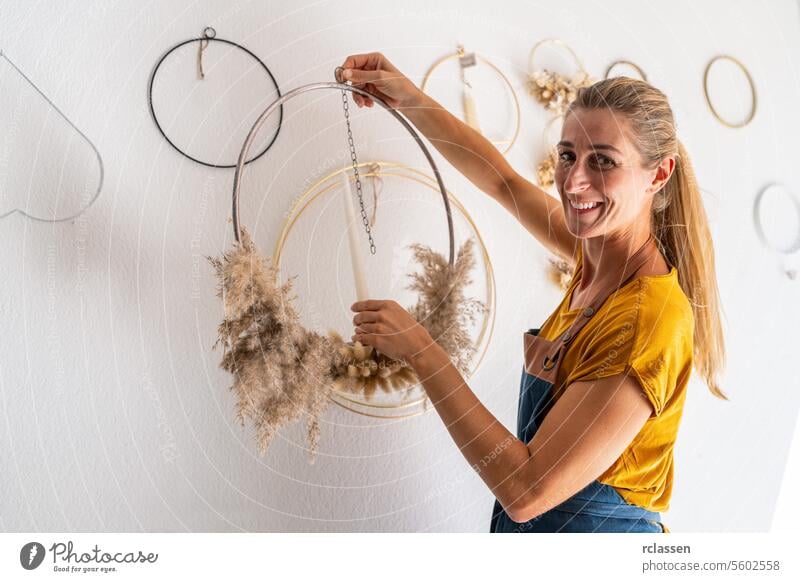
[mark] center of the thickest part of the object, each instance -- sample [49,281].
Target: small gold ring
[630,64]
[558,42]
[741,66]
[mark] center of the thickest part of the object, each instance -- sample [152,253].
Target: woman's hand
[375,74]
[390,329]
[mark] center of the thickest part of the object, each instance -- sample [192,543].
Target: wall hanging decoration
[551,89]
[366,400]
[466,63]
[59,206]
[559,271]
[283,371]
[546,168]
[210,36]
[749,117]
[784,206]
[624,63]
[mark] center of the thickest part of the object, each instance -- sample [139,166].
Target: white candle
[352,231]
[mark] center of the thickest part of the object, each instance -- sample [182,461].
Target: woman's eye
[604,162]
[565,156]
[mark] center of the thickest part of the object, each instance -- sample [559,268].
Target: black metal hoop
[211,38]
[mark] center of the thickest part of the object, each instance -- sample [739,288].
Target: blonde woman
[604,378]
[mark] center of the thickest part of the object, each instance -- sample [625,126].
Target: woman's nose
[576,181]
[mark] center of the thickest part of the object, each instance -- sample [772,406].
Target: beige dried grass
[281,371]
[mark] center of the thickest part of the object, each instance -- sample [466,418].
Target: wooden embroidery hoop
[331,182]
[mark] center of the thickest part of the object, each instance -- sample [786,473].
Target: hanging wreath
[282,371]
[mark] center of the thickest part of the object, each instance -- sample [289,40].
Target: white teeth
[584,205]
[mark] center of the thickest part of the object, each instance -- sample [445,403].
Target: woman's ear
[663,172]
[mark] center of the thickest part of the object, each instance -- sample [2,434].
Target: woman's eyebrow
[597,146]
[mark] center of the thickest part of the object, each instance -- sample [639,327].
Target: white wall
[114,413]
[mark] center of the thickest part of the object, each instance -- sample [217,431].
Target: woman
[605,377]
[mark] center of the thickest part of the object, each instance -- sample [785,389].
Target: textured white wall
[114,413]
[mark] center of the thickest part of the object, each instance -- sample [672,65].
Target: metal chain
[354,160]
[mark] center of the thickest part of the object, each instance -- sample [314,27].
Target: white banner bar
[402,556]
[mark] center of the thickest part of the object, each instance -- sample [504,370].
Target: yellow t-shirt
[645,329]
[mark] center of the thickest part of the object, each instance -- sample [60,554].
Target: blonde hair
[678,218]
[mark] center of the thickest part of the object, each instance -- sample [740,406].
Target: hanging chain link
[354,160]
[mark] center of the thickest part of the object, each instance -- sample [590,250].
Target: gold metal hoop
[639,70]
[326,184]
[557,42]
[510,142]
[716,114]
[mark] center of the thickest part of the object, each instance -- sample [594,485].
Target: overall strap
[635,262]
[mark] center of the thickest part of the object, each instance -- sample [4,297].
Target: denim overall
[597,507]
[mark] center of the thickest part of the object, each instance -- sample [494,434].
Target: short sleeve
[648,336]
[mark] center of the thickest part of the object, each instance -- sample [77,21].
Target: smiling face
[600,177]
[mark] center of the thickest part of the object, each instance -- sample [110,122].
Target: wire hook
[208,33]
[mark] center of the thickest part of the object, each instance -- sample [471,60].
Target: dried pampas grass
[546,170]
[560,272]
[282,371]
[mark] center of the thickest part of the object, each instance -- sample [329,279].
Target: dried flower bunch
[546,170]
[282,371]
[556,91]
[560,273]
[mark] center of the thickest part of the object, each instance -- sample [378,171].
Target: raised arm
[466,149]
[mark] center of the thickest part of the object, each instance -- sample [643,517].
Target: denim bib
[598,507]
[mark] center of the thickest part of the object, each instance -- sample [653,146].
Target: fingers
[359,61]
[361,76]
[366,317]
[362,79]
[371,61]
[368,328]
[368,71]
[368,305]
[362,101]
